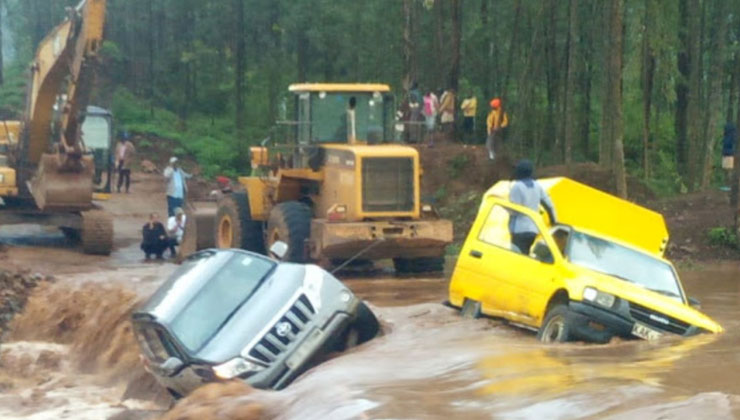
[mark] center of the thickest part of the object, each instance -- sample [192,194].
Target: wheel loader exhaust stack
[330,184]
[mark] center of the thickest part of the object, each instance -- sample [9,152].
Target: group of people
[156,238]
[439,108]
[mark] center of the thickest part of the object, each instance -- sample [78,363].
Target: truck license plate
[645,332]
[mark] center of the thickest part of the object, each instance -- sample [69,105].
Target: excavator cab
[97,135]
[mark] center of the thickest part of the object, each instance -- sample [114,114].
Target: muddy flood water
[72,355]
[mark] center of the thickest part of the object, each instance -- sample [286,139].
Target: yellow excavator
[331,185]
[46,171]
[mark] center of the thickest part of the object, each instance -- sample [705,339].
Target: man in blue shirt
[526,192]
[177,186]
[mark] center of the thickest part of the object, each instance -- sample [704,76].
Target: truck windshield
[624,263]
[219,299]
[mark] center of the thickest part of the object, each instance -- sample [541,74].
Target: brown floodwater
[429,364]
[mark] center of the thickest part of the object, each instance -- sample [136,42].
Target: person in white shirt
[176,230]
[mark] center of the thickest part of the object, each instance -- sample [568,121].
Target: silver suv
[228,314]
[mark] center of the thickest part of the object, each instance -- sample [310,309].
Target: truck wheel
[470,309]
[97,232]
[234,225]
[363,329]
[419,265]
[557,325]
[290,222]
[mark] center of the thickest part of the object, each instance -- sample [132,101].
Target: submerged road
[428,364]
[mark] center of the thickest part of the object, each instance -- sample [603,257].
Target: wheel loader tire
[235,227]
[419,265]
[290,222]
[97,232]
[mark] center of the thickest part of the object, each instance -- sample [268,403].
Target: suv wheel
[557,325]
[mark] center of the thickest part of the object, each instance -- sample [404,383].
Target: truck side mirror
[279,250]
[694,303]
[541,252]
[171,366]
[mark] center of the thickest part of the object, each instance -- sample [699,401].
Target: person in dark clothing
[154,238]
[526,192]
[728,152]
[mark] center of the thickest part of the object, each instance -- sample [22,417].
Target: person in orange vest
[496,121]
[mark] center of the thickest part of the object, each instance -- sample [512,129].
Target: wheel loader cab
[328,184]
[343,114]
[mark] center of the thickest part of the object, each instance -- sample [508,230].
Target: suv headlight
[236,367]
[600,298]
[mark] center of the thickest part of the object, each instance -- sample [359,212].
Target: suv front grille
[643,314]
[387,184]
[284,332]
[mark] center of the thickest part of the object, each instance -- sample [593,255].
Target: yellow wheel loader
[328,185]
[46,171]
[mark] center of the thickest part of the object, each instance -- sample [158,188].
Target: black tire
[419,265]
[235,227]
[364,328]
[557,327]
[470,309]
[97,232]
[290,222]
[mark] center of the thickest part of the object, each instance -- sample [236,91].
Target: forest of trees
[644,87]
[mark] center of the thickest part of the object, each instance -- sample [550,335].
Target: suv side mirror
[279,250]
[541,252]
[171,366]
[694,303]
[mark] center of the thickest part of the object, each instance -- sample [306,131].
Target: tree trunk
[239,70]
[2,62]
[714,99]
[735,187]
[606,135]
[454,76]
[694,120]
[648,75]
[569,110]
[614,64]
[682,92]
[512,46]
[409,46]
[439,55]
[151,57]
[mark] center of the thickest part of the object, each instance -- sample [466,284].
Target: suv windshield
[231,285]
[627,264]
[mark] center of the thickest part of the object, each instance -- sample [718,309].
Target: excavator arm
[63,178]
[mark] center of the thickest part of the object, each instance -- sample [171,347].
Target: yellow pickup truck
[598,273]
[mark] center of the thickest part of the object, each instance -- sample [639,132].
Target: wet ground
[72,355]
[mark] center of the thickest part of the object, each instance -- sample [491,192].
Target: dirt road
[72,354]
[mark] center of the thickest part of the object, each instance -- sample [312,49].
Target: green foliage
[723,237]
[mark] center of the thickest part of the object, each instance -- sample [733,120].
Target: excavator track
[97,232]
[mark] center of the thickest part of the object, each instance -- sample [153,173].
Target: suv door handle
[476,254]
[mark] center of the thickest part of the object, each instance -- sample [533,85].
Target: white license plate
[305,350]
[645,332]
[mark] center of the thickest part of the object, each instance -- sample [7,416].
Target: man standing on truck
[527,192]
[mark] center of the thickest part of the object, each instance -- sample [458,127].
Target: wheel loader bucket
[200,228]
[56,187]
